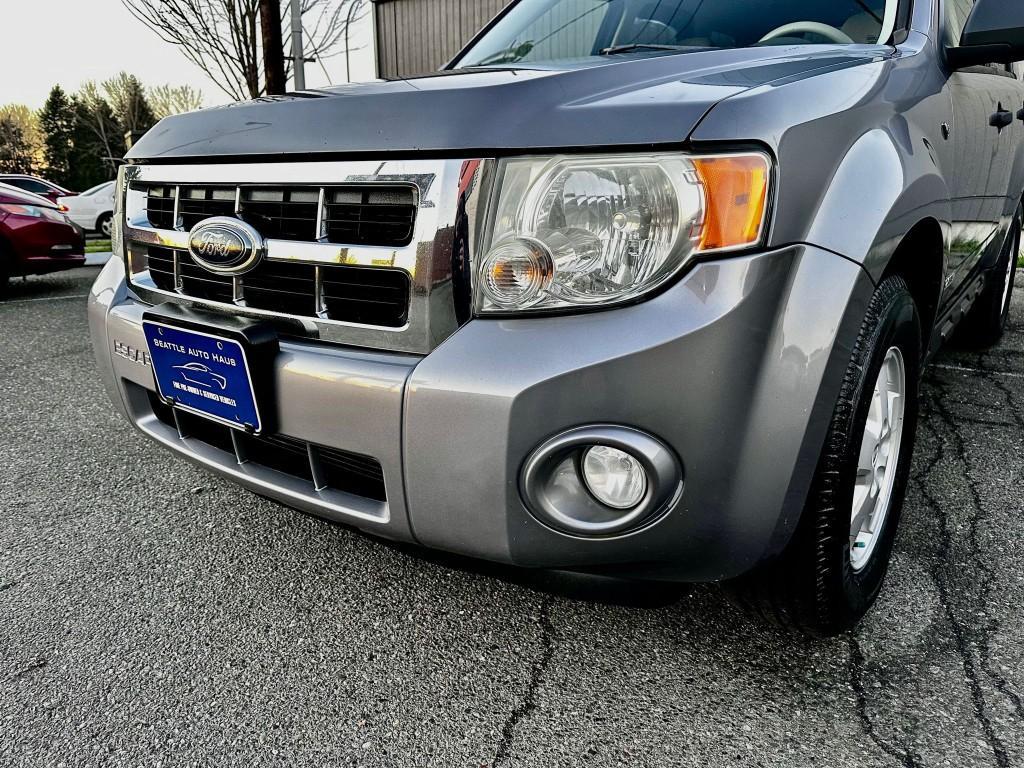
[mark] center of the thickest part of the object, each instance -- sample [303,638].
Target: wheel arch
[920,260]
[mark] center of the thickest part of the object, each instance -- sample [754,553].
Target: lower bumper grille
[326,468]
[365,295]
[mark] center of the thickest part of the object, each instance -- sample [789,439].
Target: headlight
[601,230]
[32,211]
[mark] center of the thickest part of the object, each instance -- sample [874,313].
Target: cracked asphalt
[151,614]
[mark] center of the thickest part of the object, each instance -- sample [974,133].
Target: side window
[31,185]
[956,14]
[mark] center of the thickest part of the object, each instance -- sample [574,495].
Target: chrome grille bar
[321,305]
[321,216]
[285,250]
[178,283]
[176,217]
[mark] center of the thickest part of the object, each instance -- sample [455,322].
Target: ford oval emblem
[226,246]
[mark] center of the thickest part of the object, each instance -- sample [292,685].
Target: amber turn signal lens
[516,271]
[736,191]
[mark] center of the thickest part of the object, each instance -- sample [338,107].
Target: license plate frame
[226,358]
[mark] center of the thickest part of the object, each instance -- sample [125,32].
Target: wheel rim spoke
[1011,270]
[877,459]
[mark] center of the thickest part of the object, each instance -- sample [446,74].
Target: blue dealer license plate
[203,373]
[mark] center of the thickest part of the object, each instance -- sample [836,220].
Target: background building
[418,36]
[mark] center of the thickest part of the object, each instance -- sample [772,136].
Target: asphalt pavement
[152,614]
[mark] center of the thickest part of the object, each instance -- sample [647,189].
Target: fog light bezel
[556,495]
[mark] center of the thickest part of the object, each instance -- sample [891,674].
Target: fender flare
[878,194]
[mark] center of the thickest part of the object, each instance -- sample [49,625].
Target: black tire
[985,324]
[5,270]
[812,587]
[105,219]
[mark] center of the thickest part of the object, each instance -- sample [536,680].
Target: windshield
[548,31]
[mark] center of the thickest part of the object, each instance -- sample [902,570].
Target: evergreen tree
[58,125]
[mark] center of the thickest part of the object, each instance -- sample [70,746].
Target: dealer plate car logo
[226,246]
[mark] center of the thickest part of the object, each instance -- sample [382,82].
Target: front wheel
[5,271]
[103,225]
[831,572]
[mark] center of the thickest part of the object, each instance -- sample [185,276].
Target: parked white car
[92,210]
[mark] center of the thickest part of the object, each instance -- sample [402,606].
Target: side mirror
[993,34]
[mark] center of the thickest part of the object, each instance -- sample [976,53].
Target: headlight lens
[32,211]
[599,230]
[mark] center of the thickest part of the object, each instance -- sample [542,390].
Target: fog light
[615,478]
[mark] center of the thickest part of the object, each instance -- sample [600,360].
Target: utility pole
[298,54]
[273,47]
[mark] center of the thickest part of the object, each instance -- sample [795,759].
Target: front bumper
[42,246]
[736,368]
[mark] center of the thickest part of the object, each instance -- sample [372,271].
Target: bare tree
[224,37]
[169,100]
[30,130]
[16,154]
[127,99]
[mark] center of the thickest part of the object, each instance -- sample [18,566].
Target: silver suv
[634,287]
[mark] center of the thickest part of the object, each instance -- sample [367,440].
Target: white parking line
[44,298]
[966,369]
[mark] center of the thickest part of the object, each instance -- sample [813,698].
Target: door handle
[1001,119]
[1020,115]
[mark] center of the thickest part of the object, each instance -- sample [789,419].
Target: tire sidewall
[5,268]
[898,326]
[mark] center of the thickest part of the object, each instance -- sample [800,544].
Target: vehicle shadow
[74,282]
[571,585]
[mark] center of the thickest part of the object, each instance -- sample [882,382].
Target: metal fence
[419,36]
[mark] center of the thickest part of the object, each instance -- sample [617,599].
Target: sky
[45,42]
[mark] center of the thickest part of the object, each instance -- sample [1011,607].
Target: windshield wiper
[644,47]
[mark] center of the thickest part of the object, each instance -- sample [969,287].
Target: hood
[619,102]
[18,196]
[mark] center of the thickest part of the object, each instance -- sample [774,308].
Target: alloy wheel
[877,460]
[1011,269]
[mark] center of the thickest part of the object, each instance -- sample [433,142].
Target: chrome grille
[366,253]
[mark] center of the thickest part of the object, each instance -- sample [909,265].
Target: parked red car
[35,237]
[35,185]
